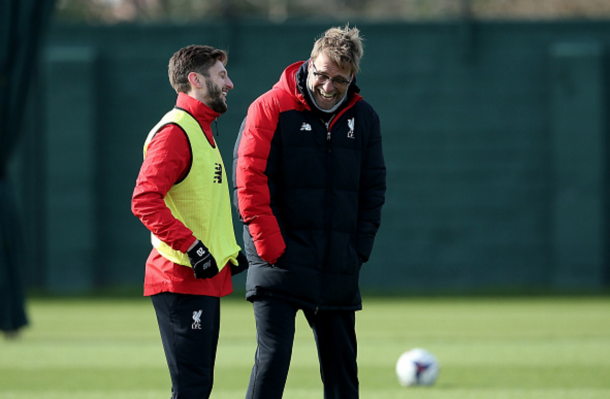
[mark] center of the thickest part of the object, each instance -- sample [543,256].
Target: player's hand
[242,264]
[203,263]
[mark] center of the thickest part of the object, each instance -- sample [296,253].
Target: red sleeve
[253,184]
[167,161]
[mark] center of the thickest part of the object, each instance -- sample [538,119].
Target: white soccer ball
[417,367]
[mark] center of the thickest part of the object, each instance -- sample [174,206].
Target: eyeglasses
[321,78]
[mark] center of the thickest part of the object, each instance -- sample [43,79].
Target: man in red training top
[182,197]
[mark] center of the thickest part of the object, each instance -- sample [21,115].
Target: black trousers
[335,335]
[189,326]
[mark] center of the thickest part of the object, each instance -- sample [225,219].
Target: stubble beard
[217,102]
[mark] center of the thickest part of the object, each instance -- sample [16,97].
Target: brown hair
[342,45]
[193,58]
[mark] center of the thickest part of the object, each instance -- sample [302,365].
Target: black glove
[204,264]
[242,264]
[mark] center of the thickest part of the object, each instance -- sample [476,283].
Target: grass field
[489,348]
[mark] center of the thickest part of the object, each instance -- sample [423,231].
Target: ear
[196,80]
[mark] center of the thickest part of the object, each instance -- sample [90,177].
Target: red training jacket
[167,161]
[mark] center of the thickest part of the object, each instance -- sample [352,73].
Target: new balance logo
[306,126]
[218,173]
[197,320]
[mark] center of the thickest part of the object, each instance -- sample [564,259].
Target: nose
[229,83]
[328,86]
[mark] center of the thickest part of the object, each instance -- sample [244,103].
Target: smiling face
[327,81]
[212,90]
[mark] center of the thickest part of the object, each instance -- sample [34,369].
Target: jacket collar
[201,112]
[204,114]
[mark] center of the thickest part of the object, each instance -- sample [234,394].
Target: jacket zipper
[329,185]
[328,135]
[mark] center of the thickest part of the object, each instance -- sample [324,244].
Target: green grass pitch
[488,348]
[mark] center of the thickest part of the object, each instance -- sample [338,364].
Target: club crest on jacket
[351,123]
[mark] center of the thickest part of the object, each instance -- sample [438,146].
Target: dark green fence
[494,134]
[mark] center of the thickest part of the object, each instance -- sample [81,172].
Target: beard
[217,102]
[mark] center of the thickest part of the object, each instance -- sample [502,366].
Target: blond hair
[342,45]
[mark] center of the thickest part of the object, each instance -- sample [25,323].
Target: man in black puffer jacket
[310,183]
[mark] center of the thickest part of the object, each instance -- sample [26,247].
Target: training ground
[488,348]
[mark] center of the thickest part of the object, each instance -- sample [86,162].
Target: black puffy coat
[310,196]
